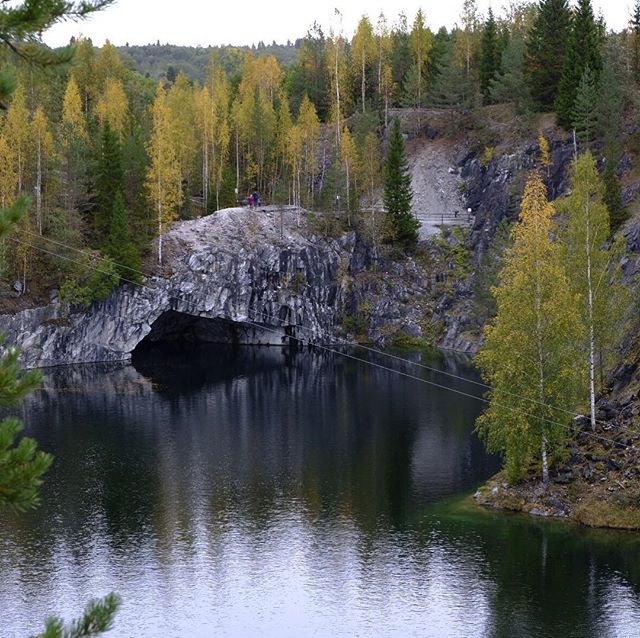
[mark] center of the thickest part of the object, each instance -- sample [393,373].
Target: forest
[112,156]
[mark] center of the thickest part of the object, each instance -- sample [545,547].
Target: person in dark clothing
[256,198]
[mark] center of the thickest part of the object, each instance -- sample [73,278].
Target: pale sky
[214,22]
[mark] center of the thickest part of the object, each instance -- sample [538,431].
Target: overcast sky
[213,22]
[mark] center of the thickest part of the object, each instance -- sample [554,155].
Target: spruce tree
[397,190]
[120,247]
[109,181]
[489,56]
[451,89]
[612,195]
[584,50]
[585,114]
[546,48]
[510,84]
[530,357]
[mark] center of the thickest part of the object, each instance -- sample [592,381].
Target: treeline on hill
[113,156]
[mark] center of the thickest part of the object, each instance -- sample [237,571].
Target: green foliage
[510,84]
[546,50]
[120,247]
[584,51]
[93,280]
[109,182]
[612,196]
[489,56]
[585,116]
[397,190]
[530,357]
[451,89]
[487,273]
[603,300]
[97,618]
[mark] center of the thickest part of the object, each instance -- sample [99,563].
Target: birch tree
[531,353]
[44,151]
[364,50]
[421,41]
[602,298]
[164,178]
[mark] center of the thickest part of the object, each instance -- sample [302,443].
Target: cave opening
[178,329]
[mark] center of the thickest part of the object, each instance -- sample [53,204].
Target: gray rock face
[233,267]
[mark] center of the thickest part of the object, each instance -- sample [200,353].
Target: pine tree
[546,49]
[489,56]
[601,299]
[585,115]
[530,356]
[583,50]
[397,190]
[21,26]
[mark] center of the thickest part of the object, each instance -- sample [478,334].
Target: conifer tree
[583,50]
[489,56]
[530,357]
[612,195]
[109,182]
[22,24]
[451,88]
[635,40]
[585,115]
[397,190]
[119,245]
[546,49]
[602,300]
[510,84]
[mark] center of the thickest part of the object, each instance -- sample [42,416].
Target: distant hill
[158,60]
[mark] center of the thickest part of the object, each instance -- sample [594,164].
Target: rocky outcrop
[238,276]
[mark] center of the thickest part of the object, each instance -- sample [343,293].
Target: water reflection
[268,492]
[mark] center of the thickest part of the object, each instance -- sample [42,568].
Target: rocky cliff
[238,276]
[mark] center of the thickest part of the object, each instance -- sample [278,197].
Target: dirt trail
[437,197]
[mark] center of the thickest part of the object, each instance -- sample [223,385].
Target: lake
[273,492]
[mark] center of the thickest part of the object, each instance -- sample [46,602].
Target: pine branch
[97,618]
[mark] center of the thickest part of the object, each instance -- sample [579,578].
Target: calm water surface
[261,492]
